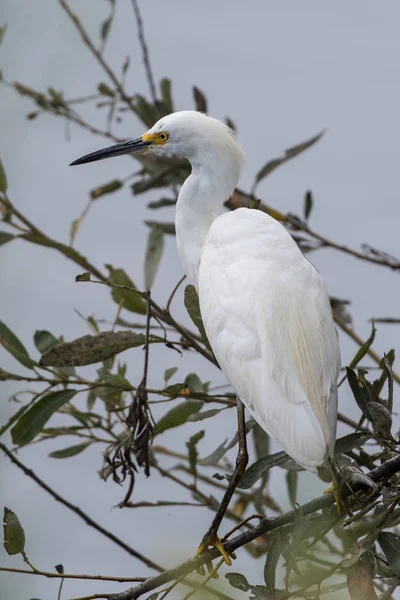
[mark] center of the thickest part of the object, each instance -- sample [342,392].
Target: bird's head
[187,134]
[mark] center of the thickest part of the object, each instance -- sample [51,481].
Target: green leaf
[6,237]
[130,300]
[3,178]
[44,340]
[238,581]
[194,383]
[291,481]
[162,203]
[297,538]
[200,100]
[351,441]
[289,154]
[16,416]
[214,457]
[378,384]
[168,228]
[146,111]
[12,344]
[82,277]
[32,422]
[205,414]
[90,349]
[155,247]
[165,88]
[308,204]
[105,28]
[218,453]
[70,451]
[104,89]
[192,450]
[106,188]
[192,305]
[169,373]
[2,33]
[178,415]
[360,392]
[390,544]
[14,535]
[271,562]
[254,472]
[362,351]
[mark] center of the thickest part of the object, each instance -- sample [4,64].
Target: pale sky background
[282,71]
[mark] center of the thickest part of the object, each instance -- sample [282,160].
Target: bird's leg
[335,487]
[211,538]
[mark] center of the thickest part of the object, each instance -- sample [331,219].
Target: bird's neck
[200,202]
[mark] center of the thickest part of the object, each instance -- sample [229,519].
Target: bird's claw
[214,542]
[335,490]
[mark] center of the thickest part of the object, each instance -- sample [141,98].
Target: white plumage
[265,308]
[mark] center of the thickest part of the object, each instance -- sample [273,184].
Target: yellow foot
[213,542]
[335,490]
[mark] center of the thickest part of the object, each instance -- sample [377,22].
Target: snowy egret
[265,308]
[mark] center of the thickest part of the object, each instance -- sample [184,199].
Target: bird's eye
[163,136]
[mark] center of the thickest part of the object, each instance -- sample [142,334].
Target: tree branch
[266,525]
[78,511]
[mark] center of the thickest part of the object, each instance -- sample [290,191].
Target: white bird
[265,308]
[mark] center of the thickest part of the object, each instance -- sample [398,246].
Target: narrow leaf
[90,349]
[2,33]
[14,535]
[254,472]
[205,414]
[362,351]
[169,373]
[214,457]
[6,237]
[200,100]
[70,451]
[13,345]
[289,154]
[178,415]
[155,247]
[3,178]
[192,305]
[271,562]
[32,422]
[130,300]
[192,450]
[165,88]
[308,204]
[360,393]
[351,441]
[291,481]
[168,228]
[390,544]
[106,188]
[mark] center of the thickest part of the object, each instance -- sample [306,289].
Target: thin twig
[145,52]
[182,279]
[51,575]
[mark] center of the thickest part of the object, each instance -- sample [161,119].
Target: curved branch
[382,472]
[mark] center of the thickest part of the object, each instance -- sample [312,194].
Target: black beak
[128,147]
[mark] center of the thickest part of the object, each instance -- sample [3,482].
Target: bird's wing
[268,319]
